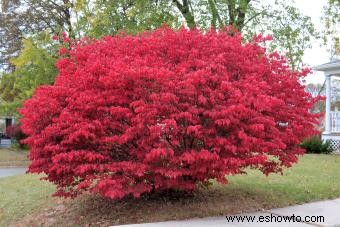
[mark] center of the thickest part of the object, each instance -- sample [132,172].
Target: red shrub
[165,110]
[15,132]
[12,130]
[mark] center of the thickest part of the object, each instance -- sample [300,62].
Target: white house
[332,113]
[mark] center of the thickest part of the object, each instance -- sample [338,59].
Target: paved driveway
[5,172]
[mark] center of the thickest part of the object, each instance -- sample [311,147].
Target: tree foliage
[38,20]
[34,67]
[291,30]
[168,109]
[20,19]
[331,20]
[98,18]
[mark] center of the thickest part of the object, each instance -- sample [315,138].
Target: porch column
[328,104]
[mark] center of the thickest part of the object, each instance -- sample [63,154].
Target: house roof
[332,66]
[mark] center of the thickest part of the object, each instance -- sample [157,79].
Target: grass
[20,195]
[13,157]
[315,177]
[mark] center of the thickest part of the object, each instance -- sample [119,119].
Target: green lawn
[13,157]
[20,195]
[315,177]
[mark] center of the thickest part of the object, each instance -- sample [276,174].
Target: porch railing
[335,122]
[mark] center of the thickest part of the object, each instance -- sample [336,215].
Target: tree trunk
[237,14]
[187,14]
[215,15]
[67,13]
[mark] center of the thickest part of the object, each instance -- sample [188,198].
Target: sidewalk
[329,210]
[10,171]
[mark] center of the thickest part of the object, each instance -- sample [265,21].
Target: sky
[318,54]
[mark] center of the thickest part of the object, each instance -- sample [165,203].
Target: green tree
[100,17]
[291,30]
[21,19]
[27,53]
[37,20]
[331,33]
[34,67]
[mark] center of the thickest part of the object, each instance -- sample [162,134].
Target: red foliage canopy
[165,110]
